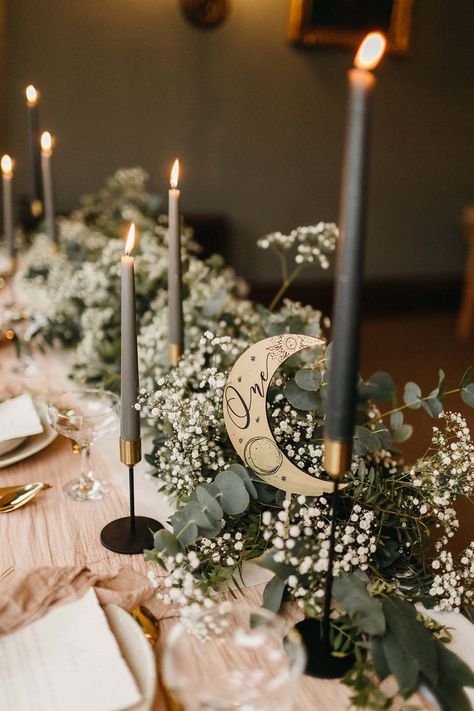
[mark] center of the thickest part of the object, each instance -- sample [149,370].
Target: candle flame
[130,239]
[370,51]
[174,174]
[7,166]
[46,142]
[32,95]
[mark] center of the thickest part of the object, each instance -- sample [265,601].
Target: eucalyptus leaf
[412,635]
[166,543]
[244,475]
[396,420]
[184,529]
[368,439]
[273,594]
[358,448]
[378,657]
[467,394]
[233,496]
[380,386]
[384,435]
[467,377]
[454,674]
[211,507]
[432,405]
[265,493]
[402,665]
[441,385]
[198,513]
[403,433]
[301,399]
[412,395]
[351,593]
[308,379]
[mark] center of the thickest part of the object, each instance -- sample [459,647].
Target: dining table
[55,531]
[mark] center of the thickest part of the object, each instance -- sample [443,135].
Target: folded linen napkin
[18,418]
[26,598]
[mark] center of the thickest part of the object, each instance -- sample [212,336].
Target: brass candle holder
[132,534]
[175,351]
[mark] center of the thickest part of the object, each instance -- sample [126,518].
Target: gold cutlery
[151,629]
[148,622]
[13,497]
[5,573]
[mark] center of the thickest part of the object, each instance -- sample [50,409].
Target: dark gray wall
[257,124]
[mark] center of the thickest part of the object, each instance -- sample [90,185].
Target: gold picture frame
[339,26]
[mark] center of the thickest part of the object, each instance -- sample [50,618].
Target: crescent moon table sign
[245,414]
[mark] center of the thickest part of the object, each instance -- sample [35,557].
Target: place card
[18,418]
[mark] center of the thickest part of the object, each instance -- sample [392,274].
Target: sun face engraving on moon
[263,456]
[245,414]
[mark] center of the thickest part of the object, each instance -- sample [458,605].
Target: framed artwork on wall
[344,23]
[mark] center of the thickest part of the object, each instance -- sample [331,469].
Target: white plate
[137,652]
[9,445]
[31,446]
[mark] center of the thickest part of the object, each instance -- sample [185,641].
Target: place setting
[236,454]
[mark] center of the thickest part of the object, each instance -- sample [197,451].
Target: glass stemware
[84,416]
[229,657]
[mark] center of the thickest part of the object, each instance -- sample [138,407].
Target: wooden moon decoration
[245,414]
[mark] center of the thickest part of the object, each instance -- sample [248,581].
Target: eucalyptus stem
[410,404]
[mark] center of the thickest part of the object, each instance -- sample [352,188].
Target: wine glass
[84,416]
[230,657]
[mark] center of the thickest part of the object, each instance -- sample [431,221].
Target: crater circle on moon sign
[263,455]
[245,414]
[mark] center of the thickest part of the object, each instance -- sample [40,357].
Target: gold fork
[5,573]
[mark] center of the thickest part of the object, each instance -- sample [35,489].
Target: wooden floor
[414,347]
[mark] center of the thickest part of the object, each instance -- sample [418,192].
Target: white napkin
[68,659]
[18,418]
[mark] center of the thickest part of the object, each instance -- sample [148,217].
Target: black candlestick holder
[130,535]
[316,634]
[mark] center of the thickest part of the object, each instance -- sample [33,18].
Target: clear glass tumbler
[230,658]
[84,416]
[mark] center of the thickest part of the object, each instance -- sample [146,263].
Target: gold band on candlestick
[36,208]
[175,351]
[130,451]
[10,267]
[337,458]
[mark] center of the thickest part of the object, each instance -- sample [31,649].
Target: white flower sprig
[313,246]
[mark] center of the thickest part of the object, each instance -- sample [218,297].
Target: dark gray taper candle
[342,393]
[130,417]
[7,180]
[175,304]
[32,96]
[48,185]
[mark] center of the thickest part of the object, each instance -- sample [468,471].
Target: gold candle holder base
[337,457]
[130,451]
[175,351]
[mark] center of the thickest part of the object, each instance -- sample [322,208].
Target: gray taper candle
[32,97]
[130,417]
[8,229]
[175,304]
[342,389]
[48,185]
